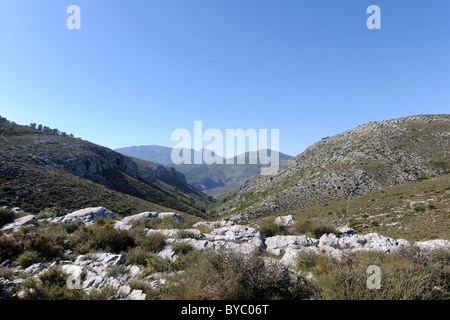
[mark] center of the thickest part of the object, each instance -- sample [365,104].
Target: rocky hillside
[89,254]
[370,157]
[27,151]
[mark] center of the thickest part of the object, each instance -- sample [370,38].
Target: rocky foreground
[103,269]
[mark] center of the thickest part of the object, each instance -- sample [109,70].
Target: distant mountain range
[216,179]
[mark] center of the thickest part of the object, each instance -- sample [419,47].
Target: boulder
[87,216]
[234,233]
[433,244]
[19,223]
[127,222]
[380,243]
[347,240]
[285,221]
[18,211]
[278,244]
[173,215]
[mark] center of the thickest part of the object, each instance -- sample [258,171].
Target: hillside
[27,153]
[415,211]
[370,157]
[217,180]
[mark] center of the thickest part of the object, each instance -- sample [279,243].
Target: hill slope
[29,151]
[370,157]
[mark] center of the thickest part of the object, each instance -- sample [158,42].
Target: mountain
[217,179]
[33,162]
[369,157]
[154,153]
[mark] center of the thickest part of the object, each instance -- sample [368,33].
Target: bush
[184,234]
[268,228]
[110,239]
[52,285]
[182,248]
[6,216]
[48,241]
[405,275]
[302,226]
[137,256]
[54,212]
[158,264]
[227,275]
[321,230]
[28,258]
[153,242]
[9,248]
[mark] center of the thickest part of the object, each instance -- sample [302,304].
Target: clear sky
[139,69]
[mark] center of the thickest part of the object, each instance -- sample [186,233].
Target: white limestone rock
[127,222]
[234,233]
[173,215]
[19,223]
[285,221]
[87,216]
[433,244]
[278,244]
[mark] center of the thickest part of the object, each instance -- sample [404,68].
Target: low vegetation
[409,274]
[400,212]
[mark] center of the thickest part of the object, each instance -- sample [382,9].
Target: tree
[33,125]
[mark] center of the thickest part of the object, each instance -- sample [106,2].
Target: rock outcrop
[369,157]
[87,216]
[19,223]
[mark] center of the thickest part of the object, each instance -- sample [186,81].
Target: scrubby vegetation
[268,228]
[399,212]
[52,285]
[224,275]
[6,216]
[409,274]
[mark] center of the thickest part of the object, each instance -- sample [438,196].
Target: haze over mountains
[215,179]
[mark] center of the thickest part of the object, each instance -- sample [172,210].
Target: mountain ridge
[369,157]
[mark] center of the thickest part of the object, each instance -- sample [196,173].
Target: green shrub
[28,258]
[137,256]
[227,275]
[184,234]
[53,212]
[9,248]
[306,260]
[6,216]
[302,226]
[158,264]
[268,228]
[48,241]
[182,248]
[409,274]
[154,242]
[108,238]
[321,230]
[52,285]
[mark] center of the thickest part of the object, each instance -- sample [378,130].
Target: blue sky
[137,70]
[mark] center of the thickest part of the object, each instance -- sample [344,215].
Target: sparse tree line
[38,127]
